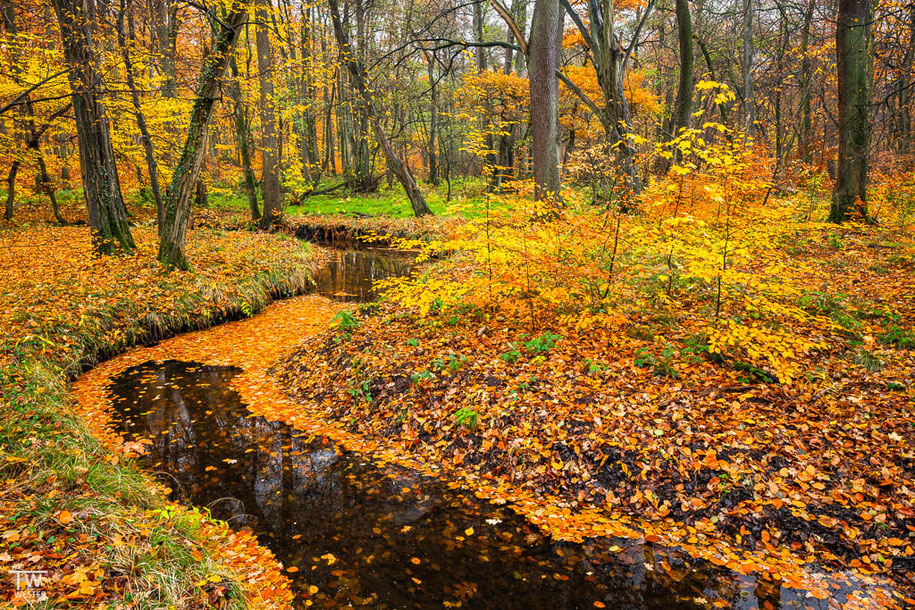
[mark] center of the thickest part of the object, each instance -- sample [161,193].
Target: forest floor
[777,440]
[71,506]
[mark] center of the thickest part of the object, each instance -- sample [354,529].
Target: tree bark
[543,62]
[241,138]
[270,180]
[609,64]
[748,96]
[11,189]
[101,187]
[357,72]
[148,151]
[806,76]
[685,88]
[433,121]
[854,59]
[480,52]
[183,187]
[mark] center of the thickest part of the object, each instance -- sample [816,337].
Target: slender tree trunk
[141,118]
[330,154]
[101,187]
[748,95]
[165,34]
[806,76]
[241,138]
[685,87]
[854,59]
[270,183]
[183,187]
[357,72]
[433,121]
[480,52]
[11,189]
[47,187]
[44,183]
[543,63]
[903,86]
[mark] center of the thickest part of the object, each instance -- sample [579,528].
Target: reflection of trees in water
[351,273]
[306,501]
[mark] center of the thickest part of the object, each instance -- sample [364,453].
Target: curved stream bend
[382,537]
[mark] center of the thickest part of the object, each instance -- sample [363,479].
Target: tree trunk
[141,118]
[357,72]
[854,59]
[806,76]
[480,52]
[241,138]
[748,96]
[543,62]
[270,182]
[903,86]
[165,33]
[685,88]
[101,188]
[11,189]
[433,122]
[608,63]
[180,194]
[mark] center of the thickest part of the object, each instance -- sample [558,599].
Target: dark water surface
[349,275]
[386,537]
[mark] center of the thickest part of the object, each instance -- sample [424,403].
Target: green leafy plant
[696,348]
[543,343]
[455,362]
[593,366]
[756,372]
[345,321]
[660,365]
[467,417]
[512,355]
[420,377]
[898,337]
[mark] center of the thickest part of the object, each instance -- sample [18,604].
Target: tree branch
[576,19]
[26,93]
[511,23]
[581,95]
[635,34]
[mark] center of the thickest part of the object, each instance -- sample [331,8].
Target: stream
[384,536]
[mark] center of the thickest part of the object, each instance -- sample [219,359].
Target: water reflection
[386,537]
[349,275]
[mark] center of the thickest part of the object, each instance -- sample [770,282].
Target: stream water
[350,275]
[386,537]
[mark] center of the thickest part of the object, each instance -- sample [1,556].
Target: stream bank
[204,408]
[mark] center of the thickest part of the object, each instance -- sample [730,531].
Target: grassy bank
[104,533]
